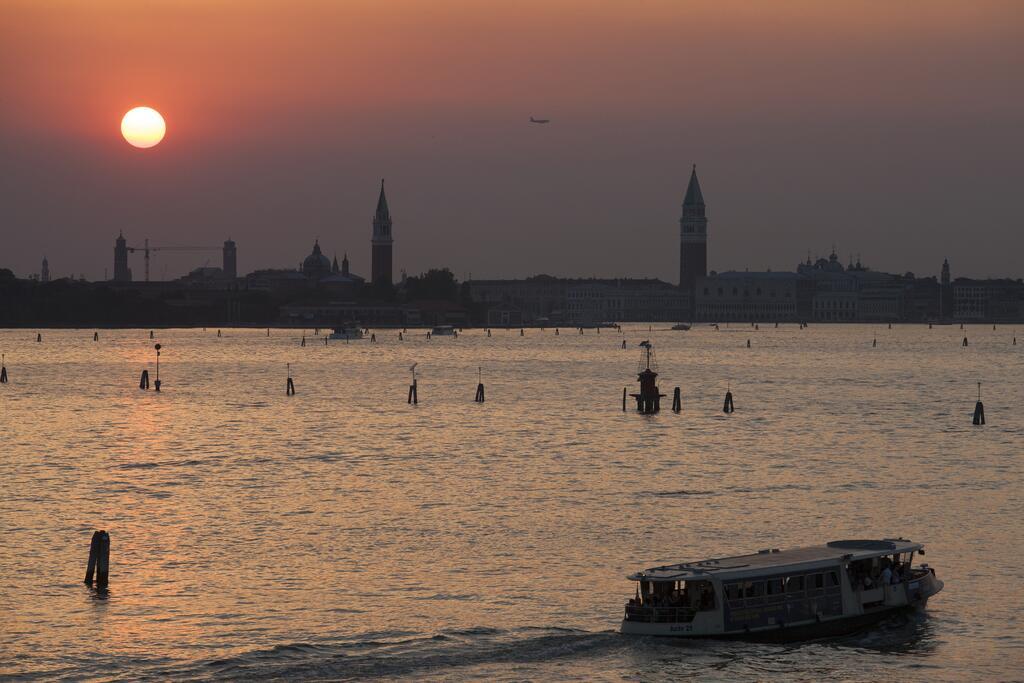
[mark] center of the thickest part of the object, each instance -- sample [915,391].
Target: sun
[143,127]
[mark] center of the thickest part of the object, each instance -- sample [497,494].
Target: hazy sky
[894,129]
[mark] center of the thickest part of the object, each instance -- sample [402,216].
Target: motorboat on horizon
[347,332]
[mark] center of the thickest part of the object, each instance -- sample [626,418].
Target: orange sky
[289,112]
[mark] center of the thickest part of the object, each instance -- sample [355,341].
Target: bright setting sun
[143,127]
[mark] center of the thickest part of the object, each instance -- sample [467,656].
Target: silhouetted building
[693,235]
[44,272]
[946,293]
[381,244]
[122,273]
[341,282]
[316,266]
[230,260]
[544,300]
[747,297]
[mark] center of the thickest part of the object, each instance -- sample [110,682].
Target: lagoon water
[342,533]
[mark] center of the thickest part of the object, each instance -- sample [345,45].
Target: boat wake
[399,654]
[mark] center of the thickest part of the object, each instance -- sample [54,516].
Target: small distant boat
[442,331]
[798,594]
[348,332]
[682,327]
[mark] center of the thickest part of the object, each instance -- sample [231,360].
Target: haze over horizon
[891,132]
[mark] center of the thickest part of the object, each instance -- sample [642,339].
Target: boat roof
[775,561]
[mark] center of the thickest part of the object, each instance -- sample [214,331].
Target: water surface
[342,533]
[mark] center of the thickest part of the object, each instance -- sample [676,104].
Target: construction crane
[145,249]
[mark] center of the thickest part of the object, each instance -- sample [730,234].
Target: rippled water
[344,533]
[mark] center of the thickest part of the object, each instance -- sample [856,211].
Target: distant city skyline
[894,135]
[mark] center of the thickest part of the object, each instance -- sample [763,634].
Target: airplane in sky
[533,120]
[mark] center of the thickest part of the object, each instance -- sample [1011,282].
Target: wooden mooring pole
[99,560]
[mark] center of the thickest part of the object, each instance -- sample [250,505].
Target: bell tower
[381,244]
[693,236]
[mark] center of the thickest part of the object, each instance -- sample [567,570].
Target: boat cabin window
[692,595]
[817,581]
[773,587]
[833,579]
[753,589]
[795,584]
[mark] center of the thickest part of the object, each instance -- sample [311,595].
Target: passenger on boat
[886,573]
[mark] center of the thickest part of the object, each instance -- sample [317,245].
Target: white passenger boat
[347,332]
[797,594]
[681,327]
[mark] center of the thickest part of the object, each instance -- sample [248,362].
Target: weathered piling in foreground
[268,331]
[729,407]
[39,337]
[95,336]
[373,337]
[480,385]
[3,368]
[874,342]
[522,332]
[400,337]
[289,389]
[748,343]
[303,342]
[623,399]
[151,334]
[413,397]
[965,341]
[99,560]
[623,343]
[556,331]
[156,383]
[979,409]
[144,380]
[677,401]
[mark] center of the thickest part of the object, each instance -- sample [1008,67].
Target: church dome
[316,264]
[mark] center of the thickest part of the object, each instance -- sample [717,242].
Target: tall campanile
[693,236]
[380,268]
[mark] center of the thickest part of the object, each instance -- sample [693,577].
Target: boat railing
[660,615]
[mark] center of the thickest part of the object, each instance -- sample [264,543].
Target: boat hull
[830,628]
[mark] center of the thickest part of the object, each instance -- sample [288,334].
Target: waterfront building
[992,300]
[381,244]
[748,297]
[589,301]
